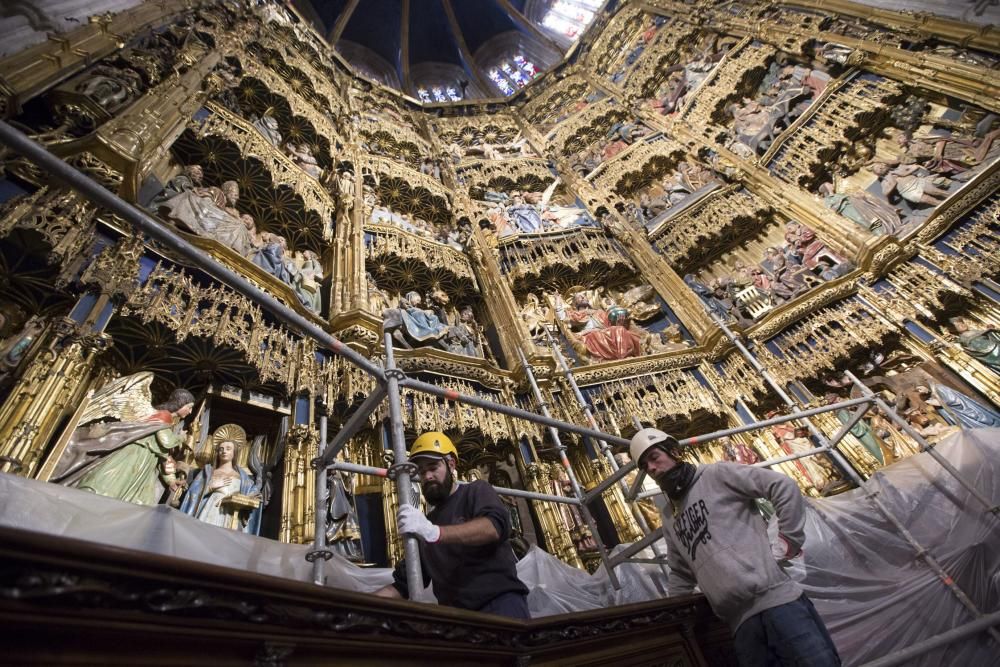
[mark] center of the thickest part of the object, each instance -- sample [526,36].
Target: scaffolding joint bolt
[396,468]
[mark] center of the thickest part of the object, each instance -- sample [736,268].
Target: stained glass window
[424,95]
[526,66]
[570,17]
[515,74]
[500,82]
[438,94]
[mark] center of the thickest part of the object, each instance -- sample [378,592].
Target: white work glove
[411,520]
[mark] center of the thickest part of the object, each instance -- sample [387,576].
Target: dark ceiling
[434,35]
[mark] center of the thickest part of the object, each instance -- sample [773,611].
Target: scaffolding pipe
[872,496]
[636,547]
[319,552]
[969,629]
[401,467]
[574,483]
[842,462]
[503,491]
[510,411]
[924,445]
[353,424]
[358,469]
[588,411]
[753,426]
[143,222]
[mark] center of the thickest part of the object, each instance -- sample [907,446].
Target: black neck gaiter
[675,482]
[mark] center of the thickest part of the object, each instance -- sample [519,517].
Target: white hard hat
[650,437]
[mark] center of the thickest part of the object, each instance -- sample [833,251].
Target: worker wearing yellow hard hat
[464,539]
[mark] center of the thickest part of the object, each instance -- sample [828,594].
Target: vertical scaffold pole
[824,442]
[924,445]
[871,495]
[401,467]
[543,407]
[319,552]
[605,448]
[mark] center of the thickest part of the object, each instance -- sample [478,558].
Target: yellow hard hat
[433,443]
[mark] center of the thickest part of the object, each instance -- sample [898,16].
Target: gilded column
[55,380]
[537,476]
[298,499]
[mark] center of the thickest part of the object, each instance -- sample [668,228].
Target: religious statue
[342,531]
[224,493]
[14,347]
[735,451]
[464,337]
[129,459]
[190,178]
[536,315]
[525,216]
[210,212]
[911,182]
[924,401]
[981,344]
[817,469]
[412,325]
[110,87]
[303,157]
[862,432]
[267,125]
[270,256]
[599,333]
[868,211]
[306,273]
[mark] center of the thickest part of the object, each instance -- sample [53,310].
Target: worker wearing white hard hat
[718,541]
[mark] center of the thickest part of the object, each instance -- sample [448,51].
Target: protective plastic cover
[875,594]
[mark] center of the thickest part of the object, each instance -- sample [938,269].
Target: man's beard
[435,492]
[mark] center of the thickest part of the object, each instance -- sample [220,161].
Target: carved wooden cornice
[167,600]
[388,240]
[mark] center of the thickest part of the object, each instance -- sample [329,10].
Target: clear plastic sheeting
[558,588]
[67,512]
[874,592]
[867,581]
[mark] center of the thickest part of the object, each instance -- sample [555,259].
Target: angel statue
[129,459]
[224,493]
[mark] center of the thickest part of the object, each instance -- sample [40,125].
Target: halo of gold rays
[560,277]
[588,135]
[653,169]
[275,208]
[471,135]
[382,142]
[523,183]
[194,363]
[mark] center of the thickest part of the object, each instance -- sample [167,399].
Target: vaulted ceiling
[401,42]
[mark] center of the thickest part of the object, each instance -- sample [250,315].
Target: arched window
[513,73]
[448,91]
[570,17]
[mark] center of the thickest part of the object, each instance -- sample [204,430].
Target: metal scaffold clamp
[396,468]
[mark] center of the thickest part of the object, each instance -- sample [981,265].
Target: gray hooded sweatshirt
[718,540]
